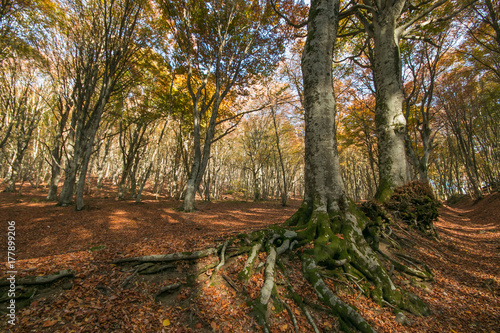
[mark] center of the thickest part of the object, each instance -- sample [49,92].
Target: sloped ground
[464,296]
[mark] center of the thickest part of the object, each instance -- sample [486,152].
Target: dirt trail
[465,296]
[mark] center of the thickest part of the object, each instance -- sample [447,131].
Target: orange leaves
[284,328]
[49,323]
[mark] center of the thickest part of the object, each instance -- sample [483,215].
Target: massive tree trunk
[389,118]
[324,186]
[326,211]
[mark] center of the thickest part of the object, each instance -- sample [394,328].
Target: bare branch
[422,38]
[287,20]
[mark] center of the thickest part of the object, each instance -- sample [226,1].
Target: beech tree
[103,39]
[326,208]
[482,44]
[386,24]
[219,45]
[21,109]
[457,98]
[426,63]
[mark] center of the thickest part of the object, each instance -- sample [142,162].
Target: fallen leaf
[166,322]
[49,323]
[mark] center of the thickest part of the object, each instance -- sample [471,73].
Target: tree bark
[324,185]
[389,118]
[56,152]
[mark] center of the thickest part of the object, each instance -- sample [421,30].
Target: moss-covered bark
[339,241]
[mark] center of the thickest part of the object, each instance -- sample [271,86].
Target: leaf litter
[464,295]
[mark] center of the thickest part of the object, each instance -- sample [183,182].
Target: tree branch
[287,20]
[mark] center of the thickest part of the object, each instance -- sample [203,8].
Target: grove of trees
[207,98]
[333,102]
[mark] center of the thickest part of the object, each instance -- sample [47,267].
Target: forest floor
[464,295]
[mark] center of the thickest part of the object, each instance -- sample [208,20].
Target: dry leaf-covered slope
[465,296]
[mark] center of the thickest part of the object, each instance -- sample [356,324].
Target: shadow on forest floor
[464,296]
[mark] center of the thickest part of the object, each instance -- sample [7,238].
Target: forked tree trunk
[201,157]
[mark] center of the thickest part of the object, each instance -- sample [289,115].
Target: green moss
[323,230]
[191,280]
[384,191]
[413,304]
[377,295]
[416,206]
[300,217]
[259,311]
[97,248]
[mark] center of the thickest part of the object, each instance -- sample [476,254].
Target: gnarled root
[325,241]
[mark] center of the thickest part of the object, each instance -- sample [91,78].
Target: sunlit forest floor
[464,296]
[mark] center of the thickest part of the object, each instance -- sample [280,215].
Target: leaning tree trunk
[13,173]
[389,118]
[200,159]
[55,175]
[70,169]
[80,185]
[56,152]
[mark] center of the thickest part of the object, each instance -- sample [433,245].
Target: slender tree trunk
[101,170]
[192,186]
[13,173]
[143,183]
[55,170]
[284,192]
[56,153]
[80,187]
[70,168]
[200,160]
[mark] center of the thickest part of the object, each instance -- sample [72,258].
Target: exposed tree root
[325,294]
[292,317]
[39,280]
[168,288]
[26,288]
[331,242]
[169,257]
